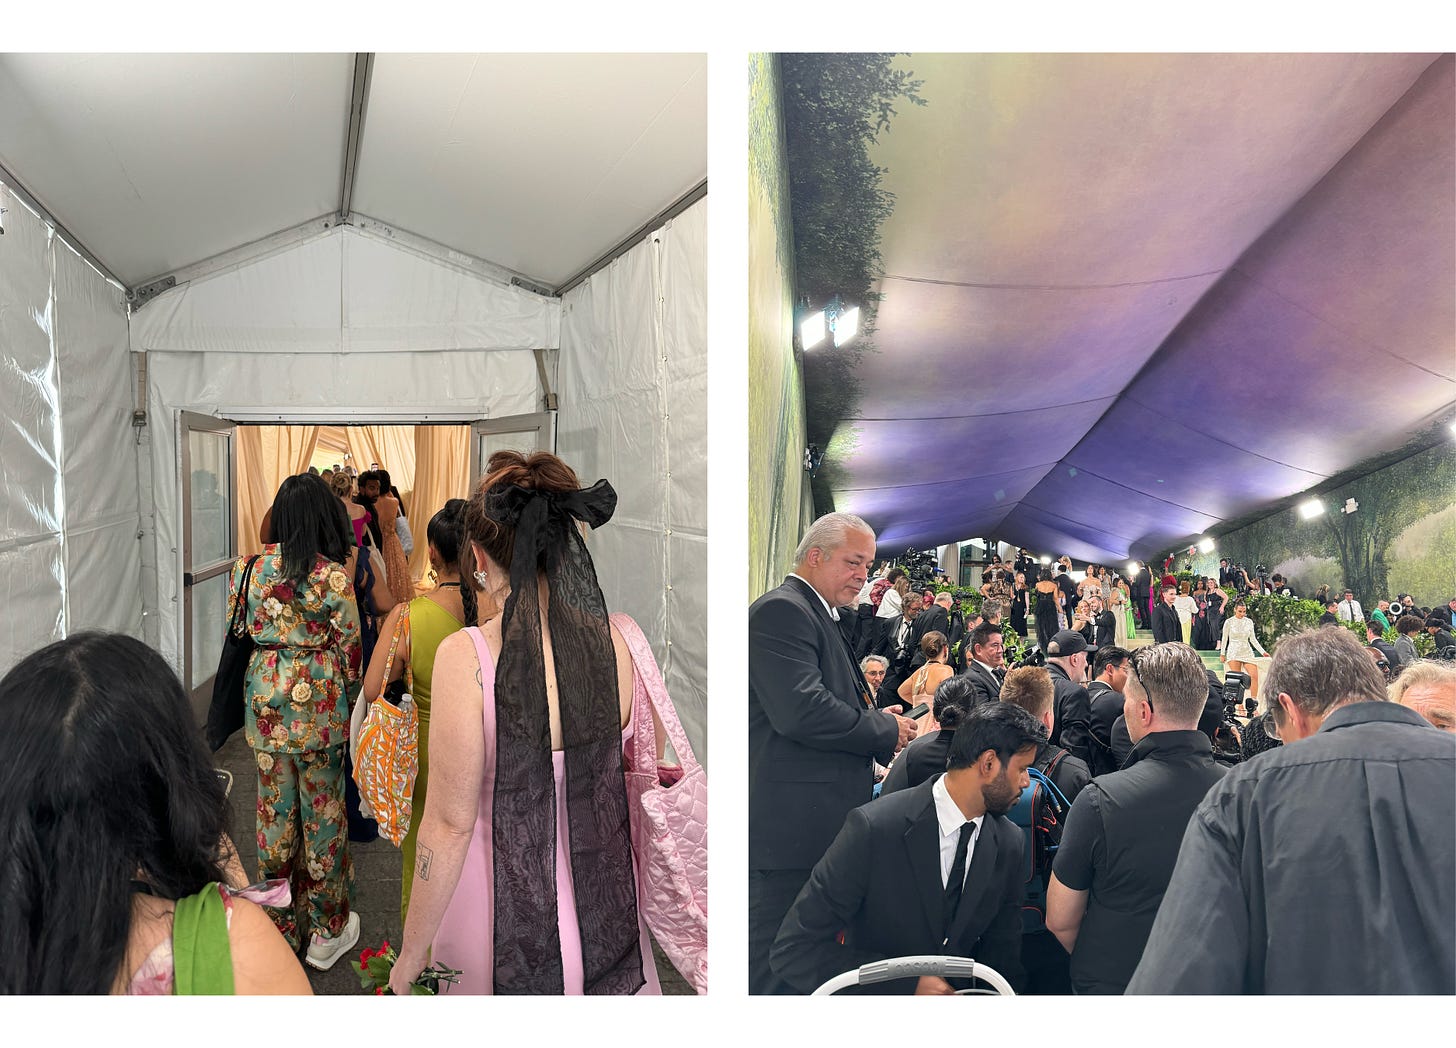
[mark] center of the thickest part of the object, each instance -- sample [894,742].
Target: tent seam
[58,433]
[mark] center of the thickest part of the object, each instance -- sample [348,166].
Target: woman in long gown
[1047,610]
[1218,599]
[1020,604]
[1117,604]
[524,876]
[1203,638]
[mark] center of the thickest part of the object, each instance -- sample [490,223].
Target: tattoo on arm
[422,861]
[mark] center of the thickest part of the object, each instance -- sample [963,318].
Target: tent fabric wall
[69,556]
[633,409]
[254,339]
[345,291]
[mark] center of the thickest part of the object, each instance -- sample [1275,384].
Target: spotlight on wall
[812,330]
[835,319]
[1453,427]
[1205,545]
[1046,560]
[1350,506]
[1133,567]
[1311,509]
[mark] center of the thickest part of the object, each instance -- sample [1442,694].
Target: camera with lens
[1034,657]
[920,567]
[1235,684]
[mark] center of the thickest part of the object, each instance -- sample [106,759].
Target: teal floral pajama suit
[298,726]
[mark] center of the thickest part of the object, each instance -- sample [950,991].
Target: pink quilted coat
[669,822]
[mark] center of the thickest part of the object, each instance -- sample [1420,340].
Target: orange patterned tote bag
[389,750]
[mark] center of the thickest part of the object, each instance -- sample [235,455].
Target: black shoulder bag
[225,714]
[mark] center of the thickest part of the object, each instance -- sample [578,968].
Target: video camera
[920,567]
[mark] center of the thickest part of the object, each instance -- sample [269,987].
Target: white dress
[1239,642]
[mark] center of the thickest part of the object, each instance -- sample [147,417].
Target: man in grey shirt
[1323,866]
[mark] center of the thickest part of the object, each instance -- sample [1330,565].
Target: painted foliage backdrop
[779,504]
[1402,539]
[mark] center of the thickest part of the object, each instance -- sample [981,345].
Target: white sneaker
[324,952]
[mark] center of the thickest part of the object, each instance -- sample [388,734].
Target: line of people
[119,875]
[1086,834]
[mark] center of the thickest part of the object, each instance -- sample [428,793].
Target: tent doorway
[229,470]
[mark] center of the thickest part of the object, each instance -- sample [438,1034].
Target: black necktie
[957,881]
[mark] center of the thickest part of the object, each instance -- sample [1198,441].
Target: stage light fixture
[846,325]
[1132,567]
[1046,560]
[812,330]
[1205,545]
[1311,509]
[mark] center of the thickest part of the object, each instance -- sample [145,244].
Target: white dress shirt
[889,604]
[1350,611]
[833,612]
[948,813]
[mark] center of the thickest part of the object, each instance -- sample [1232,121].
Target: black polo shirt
[1121,843]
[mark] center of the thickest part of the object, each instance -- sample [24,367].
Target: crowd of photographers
[1143,800]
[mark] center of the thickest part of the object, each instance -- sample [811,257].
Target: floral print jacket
[308,653]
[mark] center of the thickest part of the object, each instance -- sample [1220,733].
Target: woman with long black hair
[302,615]
[112,822]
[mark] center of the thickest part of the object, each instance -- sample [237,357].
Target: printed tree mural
[1389,502]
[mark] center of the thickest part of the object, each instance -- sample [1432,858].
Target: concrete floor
[376,881]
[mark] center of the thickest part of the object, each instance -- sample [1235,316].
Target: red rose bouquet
[373,968]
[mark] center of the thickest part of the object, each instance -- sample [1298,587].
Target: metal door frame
[534,422]
[188,422]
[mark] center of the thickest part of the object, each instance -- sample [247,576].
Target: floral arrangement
[373,968]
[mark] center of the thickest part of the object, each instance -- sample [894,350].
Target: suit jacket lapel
[817,608]
[978,880]
[922,847]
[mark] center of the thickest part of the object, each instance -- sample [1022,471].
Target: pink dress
[466,939]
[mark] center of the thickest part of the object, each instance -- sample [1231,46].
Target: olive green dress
[429,625]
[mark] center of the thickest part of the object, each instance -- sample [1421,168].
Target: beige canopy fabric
[429,464]
[441,472]
[393,447]
[266,455]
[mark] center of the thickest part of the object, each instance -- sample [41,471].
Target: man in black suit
[1139,586]
[988,654]
[935,618]
[1104,621]
[947,838]
[813,734]
[1166,624]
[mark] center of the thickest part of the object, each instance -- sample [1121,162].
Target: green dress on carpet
[429,625]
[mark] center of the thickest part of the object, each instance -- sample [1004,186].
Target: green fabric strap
[202,959]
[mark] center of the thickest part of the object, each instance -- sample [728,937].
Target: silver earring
[481,578]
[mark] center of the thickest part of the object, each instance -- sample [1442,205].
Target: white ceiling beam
[358,105]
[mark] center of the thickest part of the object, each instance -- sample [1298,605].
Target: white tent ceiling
[157,162]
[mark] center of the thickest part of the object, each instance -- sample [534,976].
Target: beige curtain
[266,455]
[442,462]
[393,447]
